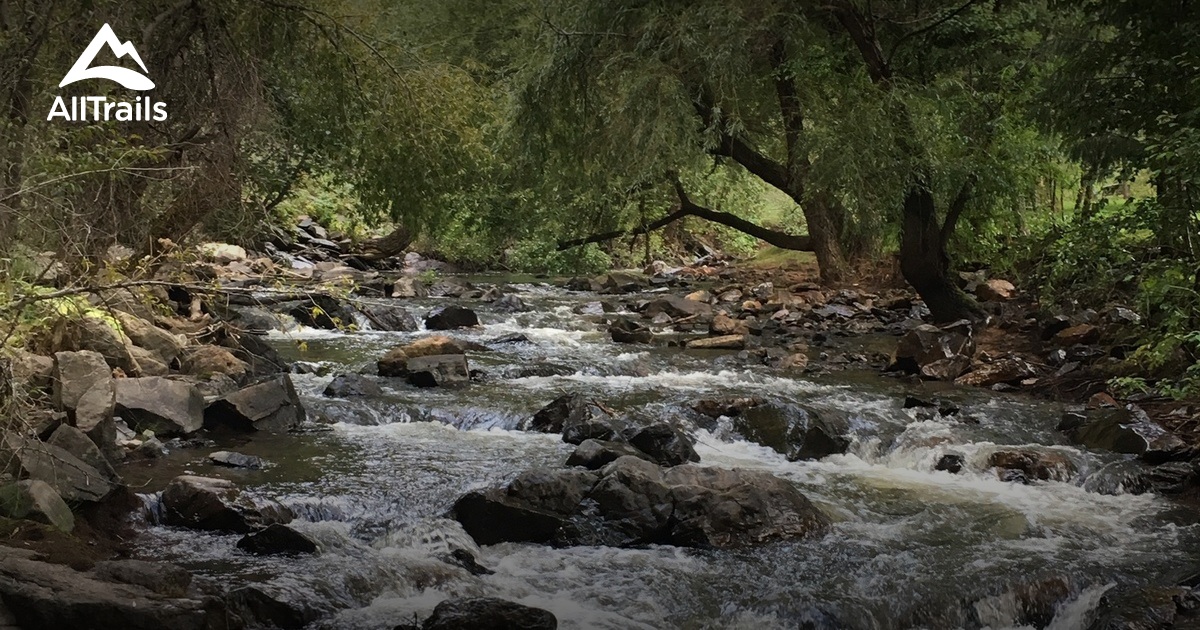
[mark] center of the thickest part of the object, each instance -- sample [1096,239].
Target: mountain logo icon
[128,78]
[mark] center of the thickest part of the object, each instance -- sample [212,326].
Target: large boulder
[351,385]
[665,444]
[207,360]
[939,353]
[77,443]
[578,419]
[438,370]
[71,478]
[94,416]
[276,539]
[451,317]
[75,373]
[36,500]
[596,454]
[270,405]
[212,504]
[995,290]
[45,596]
[103,336]
[633,502]
[509,304]
[1124,430]
[166,407]
[614,283]
[388,317]
[35,371]
[395,361]
[409,288]
[164,345]
[488,613]
[321,311]
[794,431]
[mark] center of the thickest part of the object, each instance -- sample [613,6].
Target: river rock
[566,409]
[75,373]
[450,287]
[723,324]
[161,405]
[1005,370]
[45,596]
[451,317]
[321,311]
[625,330]
[276,539]
[724,342]
[1030,465]
[204,361]
[143,334]
[616,283]
[388,317]
[271,405]
[36,500]
[510,304]
[149,363]
[1124,430]
[466,560]
[71,478]
[1077,334]
[794,431]
[94,416]
[236,460]
[409,288]
[488,613]
[940,353]
[676,307]
[395,361]
[995,290]
[257,607]
[729,407]
[163,578]
[35,371]
[75,442]
[951,462]
[665,444]
[351,385]
[101,336]
[212,504]
[438,370]
[633,502]
[595,454]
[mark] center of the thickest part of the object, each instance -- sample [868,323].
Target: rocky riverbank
[166,365]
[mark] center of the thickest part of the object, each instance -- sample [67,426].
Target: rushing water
[910,545]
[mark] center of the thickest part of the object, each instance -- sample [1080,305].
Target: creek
[371,479]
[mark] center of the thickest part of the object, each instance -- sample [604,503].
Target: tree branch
[965,193]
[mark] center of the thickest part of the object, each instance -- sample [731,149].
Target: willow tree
[624,95]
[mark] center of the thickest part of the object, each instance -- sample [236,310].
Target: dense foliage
[1057,141]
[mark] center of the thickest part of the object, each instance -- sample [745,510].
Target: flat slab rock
[631,502]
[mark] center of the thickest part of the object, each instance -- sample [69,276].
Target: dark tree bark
[24,41]
[923,258]
[387,246]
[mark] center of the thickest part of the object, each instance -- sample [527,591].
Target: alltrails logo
[100,107]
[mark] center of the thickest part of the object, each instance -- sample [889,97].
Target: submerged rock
[236,460]
[632,502]
[1031,465]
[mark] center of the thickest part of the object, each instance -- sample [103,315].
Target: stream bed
[372,478]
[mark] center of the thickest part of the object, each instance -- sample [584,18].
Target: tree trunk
[387,246]
[924,262]
[823,236]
